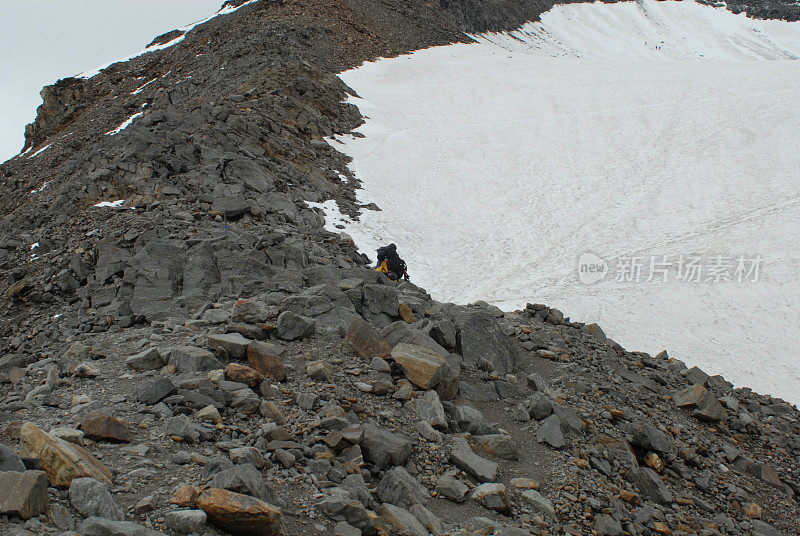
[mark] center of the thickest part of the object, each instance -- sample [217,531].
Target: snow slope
[632,129]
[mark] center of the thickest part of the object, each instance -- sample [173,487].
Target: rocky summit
[186,350]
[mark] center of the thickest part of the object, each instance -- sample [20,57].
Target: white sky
[44,40]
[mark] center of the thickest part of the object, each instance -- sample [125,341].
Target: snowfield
[641,132]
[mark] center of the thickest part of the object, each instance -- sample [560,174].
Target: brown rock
[362,340]
[405,313]
[701,402]
[23,494]
[422,366]
[239,514]
[102,427]
[185,495]
[652,461]
[263,357]
[61,461]
[243,374]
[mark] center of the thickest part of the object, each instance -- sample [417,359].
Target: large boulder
[91,498]
[98,526]
[362,340]
[384,448]
[193,359]
[399,487]
[239,514]
[234,345]
[422,366]
[462,456]
[483,342]
[63,462]
[403,521]
[650,485]
[700,402]
[380,305]
[400,332]
[264,357]
[246,479]
[101,427]
[23,495]
[326,304]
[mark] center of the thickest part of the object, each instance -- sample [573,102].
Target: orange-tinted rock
[185,495]
[243,374]
[406,314]
[263,357]
[62,461]
[362,340]
[239,514]
[101,427]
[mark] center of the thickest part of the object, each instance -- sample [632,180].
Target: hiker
[390,263]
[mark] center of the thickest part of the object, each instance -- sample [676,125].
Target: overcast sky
[44,40]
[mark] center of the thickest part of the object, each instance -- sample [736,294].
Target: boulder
[383,448]
[400,332]
[234,345]
[149,359]
[429,408]
[292,327]
[421,366]
[98,526]
[462,456]
[155,391]
[193,359]
[91,498]
[500,445]
[10,460]
[246,479]
[403,521]
[339,508]
[539,503]
[380,305]
[263,357]
[181,427]
[96,425]
[326,304]
[24,494]
[185,521]
[362,340]
[62,461]
[493,496]
[400,488]
[452,488]
[700,402]
[550,432]
[650,485]
[429,520]
[320,371]
[406,313]
[239,514]
[651,438]
[483,342]
[243,374]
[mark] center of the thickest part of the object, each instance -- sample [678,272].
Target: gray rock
[24,494]
[358,488]
[98,526]
[245,479]
[383,448]
[185,521]
[513,531]
[536,382]
[507,390]
[493,496]
[380,305]
[233,344]
[181,426]
[650,438]
[650,485]
[293,327]
[550,432]
[442,331]
[430,410]
[343,528]
[150,359]
[478,391]
[452,488]
[155,391]
[10,460]
[193,359]
[399,332]
[231,207]
[483,342]
[403,521]
[539,406]
[539,503]
[400,488]
[92,498]
[428,519]
[500,445]
[242,455]
[761,528]
[605,525]
[326,304]
[462,456]
[339,508]
[695,376]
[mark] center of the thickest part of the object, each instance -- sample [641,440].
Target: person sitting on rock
[390,263]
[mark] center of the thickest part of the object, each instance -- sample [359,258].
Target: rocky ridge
[205,358]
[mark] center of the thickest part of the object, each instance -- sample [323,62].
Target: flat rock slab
[23,495]
[98,526]
[233,344]
[263,357]
[102,427]
[362,340]
[480,468]
[423,367]
[240,514]
[62,461]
